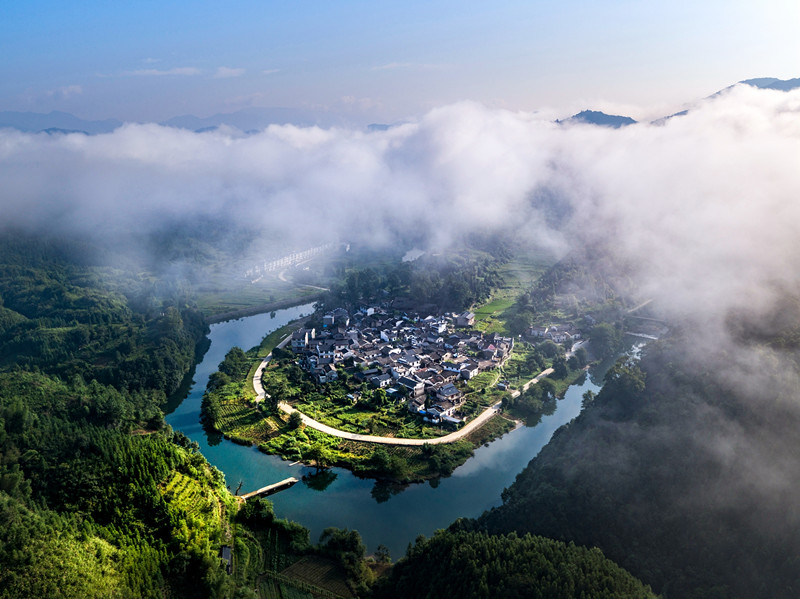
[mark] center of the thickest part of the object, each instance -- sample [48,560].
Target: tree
[560,369]
[379,398]
[282,354]
[573,362]
[320,455]
[547,388]
[295,420]
[347,547]
[217,380]
[534,361]
[582,356]
[340,541]
[605,339]
[235,362]
[625,382]
[380,459]
[549,348]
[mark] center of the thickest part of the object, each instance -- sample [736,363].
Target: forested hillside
[451,281]
[475,565]
[65,313]
[85,508]
[88,354]
[684,477]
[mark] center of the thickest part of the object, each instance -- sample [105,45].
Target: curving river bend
[381,514]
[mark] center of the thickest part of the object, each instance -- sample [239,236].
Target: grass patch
[223,293]
[495,427]
[573,377]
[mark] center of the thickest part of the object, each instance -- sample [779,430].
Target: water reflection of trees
[384,490]
[212,437]
[320,480]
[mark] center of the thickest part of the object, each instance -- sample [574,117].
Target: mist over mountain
[254,119]
[713,184]
[249,120]
[759,83]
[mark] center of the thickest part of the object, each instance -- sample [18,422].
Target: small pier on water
[270,489]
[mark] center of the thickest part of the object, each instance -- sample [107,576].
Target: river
[389,516]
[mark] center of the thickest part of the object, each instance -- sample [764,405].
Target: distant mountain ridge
[255,119]
[252,120]
[595,117]
[602,119]
[55,122]
[783,85]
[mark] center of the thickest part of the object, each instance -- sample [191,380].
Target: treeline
[91,321]
[451,282]
[475,565]
[573,286]
[679,475]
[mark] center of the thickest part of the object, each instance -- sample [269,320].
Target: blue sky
[383,61]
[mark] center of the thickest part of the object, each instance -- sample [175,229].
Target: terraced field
[320,572]
[241,421]
[194,502]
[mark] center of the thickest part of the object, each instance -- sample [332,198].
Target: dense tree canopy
[475,565]
[648,474]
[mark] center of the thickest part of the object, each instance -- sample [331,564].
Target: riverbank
[236,410]
[240,419]
[246,413]
[256,372]
[384,512]
[263,308]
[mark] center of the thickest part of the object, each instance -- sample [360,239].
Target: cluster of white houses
[558,333]
[419,359]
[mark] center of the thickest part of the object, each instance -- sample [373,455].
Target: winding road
[473,424]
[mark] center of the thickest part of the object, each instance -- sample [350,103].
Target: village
[422,361]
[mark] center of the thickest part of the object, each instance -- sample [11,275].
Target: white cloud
[226,72]
[704,208]
[164,72]
[702,212]
[406,65]
[66,92]
[270,71]
[393,65]
[361,103]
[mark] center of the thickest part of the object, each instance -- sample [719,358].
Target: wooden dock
[274,488]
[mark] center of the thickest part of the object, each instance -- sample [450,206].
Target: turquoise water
[391,516]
